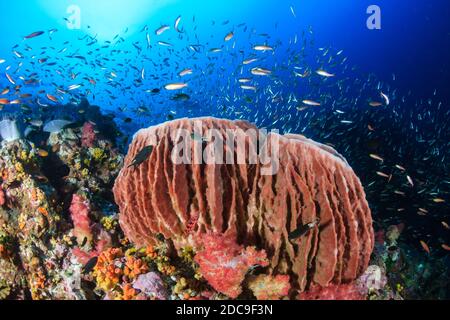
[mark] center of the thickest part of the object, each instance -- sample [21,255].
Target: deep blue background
[413,43]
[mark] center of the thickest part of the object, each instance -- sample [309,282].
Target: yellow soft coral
[98,154]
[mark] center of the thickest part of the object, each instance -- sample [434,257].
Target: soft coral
[224,263]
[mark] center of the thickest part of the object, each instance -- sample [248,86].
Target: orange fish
[425,246]
[52,98]
[445,247]
[4,101]
[5,91]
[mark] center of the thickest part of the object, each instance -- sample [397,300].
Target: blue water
[413,43]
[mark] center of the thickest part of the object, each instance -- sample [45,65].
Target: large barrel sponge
[184,201]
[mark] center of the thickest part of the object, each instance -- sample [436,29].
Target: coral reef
[38,242]
[232,233]
[184,201]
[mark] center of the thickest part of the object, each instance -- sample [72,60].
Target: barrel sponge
[183,201]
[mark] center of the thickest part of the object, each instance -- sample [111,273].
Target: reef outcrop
[301,203]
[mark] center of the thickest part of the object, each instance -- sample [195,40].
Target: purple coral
[151,285]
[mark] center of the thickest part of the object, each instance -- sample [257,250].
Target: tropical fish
[425,246]
[245,87]
[229,36]
[386,98]
[375,104]
[376,157]
[141,156]
[161,30]
[10,79]
[34,34]
[311,103]
[185,72]
[52,98]
[176,86]
[262,48]
[177,22]
[302,230]
[323,73]
[293,12]
[249,61]
[181,97]
[261,72]
[90,265]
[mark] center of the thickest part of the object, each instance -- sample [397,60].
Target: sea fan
[9,130]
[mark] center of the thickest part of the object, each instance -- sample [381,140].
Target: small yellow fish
[42,153]
[438,200]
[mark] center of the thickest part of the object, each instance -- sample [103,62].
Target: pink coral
[103,243]
[224,263]
[2,197]
[88,136]
[333,292]
[151,285]
[266,287]
[79,211]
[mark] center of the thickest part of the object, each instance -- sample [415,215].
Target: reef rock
[260,201]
